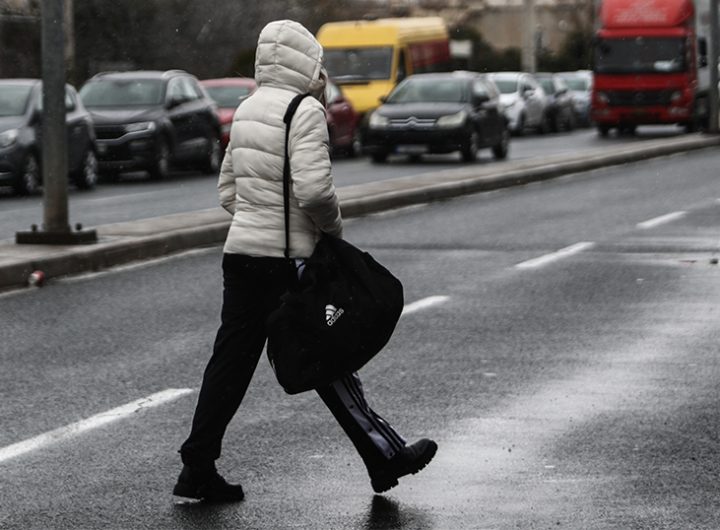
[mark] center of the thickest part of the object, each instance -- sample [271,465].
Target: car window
[332,93]
[188,90]
[70,103]
[122,92]
[195,87]
[174,90]
[431,90]
[14,99]
[227,96]
[506,86]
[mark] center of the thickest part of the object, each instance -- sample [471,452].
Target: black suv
[150,120]
[438,113]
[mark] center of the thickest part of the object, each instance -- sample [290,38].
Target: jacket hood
[289,57]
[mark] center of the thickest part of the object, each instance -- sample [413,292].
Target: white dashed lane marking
[555,256]
[657,221]
[64,433]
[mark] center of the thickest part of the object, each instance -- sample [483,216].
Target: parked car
[148,120]
[342,121]
[580,85]
[20,137]
[560,111]
[228,93]
[523,100]
[438,113]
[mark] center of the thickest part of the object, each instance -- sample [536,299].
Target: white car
[523,100]
[580,85]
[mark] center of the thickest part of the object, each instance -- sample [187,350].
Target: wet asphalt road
[575,392]
[136,197]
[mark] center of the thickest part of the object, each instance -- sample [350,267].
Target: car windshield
[506,86]
[577,84]
[122,93]
[228,96]
[349,65]
[14,99]
[547,85]
[432,90]
[640,55]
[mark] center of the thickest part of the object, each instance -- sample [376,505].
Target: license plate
[411,149]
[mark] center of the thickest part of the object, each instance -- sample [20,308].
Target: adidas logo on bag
[332,313]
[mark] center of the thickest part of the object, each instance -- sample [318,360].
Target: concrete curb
[117,247]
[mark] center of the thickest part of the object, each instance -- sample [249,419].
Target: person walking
[256,273]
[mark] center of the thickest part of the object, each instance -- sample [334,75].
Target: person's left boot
[409,460]
[206,484]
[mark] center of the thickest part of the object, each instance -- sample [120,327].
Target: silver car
[523,100]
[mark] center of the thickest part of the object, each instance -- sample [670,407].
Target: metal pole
[529,40]
[54,131]
[713,65]
[56,230]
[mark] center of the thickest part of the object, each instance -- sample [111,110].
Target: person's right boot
[206,484]
[409,460]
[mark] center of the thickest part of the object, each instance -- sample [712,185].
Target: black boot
[409,460]
[206,484]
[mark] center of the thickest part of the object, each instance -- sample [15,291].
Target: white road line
[652,223]
[93,422]
[554,256]
[424,303]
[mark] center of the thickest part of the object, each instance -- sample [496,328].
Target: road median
[126,242]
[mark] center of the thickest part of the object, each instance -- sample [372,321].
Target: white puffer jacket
[288,62]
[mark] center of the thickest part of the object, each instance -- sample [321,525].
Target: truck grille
[633,98]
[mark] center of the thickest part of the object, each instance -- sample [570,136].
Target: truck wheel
[603,130]
[379,158]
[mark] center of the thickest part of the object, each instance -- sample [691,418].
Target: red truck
[651,64]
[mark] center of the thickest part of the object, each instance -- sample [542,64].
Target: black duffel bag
[340,313]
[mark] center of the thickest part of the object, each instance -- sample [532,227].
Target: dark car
[148,120]
[439,113]
[228,93]
[20,137]
[560,111]
[343,122]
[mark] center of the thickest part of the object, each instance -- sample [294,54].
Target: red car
[342,120]
[228,93]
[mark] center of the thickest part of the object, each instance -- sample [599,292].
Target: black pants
[252,289]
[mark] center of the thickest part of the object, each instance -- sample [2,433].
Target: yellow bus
[369,57]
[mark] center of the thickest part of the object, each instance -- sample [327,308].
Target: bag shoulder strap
[292,108]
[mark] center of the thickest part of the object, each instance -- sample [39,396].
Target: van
[369,57]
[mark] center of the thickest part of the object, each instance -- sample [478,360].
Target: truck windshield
[640,55]
[358,64]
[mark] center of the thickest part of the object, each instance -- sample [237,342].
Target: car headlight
[452,120]
[378,121]
[8,138]
[143,126]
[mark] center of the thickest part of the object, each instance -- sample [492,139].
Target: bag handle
[294,104]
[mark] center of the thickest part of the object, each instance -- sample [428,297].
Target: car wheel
[470,150]
[544,125]
[28,182]
[161,166]
[211,165]
[87,176]
[379,158]
[500,151]
[570,123]
[520,129]
[355,148]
